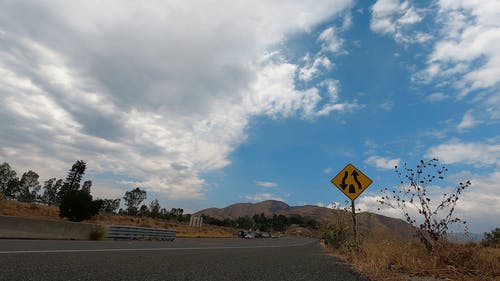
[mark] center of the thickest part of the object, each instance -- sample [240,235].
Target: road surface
[183,259]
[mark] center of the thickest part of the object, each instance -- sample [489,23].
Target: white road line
[153,249]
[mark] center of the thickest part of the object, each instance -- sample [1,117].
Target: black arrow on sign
[343,185]
[355,175]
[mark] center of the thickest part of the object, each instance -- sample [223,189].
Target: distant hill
[368,223]
[268,207]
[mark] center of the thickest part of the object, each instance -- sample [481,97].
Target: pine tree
[72,182]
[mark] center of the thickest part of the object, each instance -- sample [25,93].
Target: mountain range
[368,223]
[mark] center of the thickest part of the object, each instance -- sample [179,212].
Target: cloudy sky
[209,103]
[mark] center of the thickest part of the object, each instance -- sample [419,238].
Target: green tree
[154,208]
[414,193]
[244,222]
[77,205]
[74,178]
[280,222]
[109,205]
[87,185]
[50,189]
[28,187]
[262,223]
[492,239]
[13,189]
[143,210]
[176,212]
[164,214]
[75,175]
[9,183]
[133,200]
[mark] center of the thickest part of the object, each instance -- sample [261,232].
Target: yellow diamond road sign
[351,181]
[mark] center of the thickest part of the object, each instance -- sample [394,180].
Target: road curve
[183,259]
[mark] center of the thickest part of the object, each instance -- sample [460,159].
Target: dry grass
[395,259]
[30,210]
[21,209]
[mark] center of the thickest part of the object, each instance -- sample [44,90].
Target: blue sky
[209,104]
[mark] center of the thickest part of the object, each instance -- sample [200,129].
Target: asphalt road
[183,259]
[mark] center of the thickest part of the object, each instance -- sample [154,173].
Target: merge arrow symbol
[343,185]
[355,175]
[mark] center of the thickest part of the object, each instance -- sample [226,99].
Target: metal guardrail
[139,233]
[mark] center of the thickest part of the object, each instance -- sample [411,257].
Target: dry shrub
[391,258]
[146,222]
[98,233]
[336,234]
[469,261]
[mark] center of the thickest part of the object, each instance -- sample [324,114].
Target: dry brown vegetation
[381,258]
[30,210]
[15,208]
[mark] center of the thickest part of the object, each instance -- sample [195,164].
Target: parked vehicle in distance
[249,236]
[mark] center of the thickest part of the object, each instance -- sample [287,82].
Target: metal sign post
[355,225]
[352,182]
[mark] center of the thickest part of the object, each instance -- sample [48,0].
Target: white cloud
[491,105]
[369,203]
[479,205]
[438,134]
[102,191]
[332,87]
[468,50]
[327,170]
[387,106]
[331,44]
[274,93]
[464,40]
[340,107]
[263,196]
[333,205]
[159,92]
[435,97]
[267,184]
[421,37]
[395,18]
[468,121]
[382,162]
[330,41]
[474,153]
[311,68]
[410,16]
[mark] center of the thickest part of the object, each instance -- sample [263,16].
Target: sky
[209,103]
